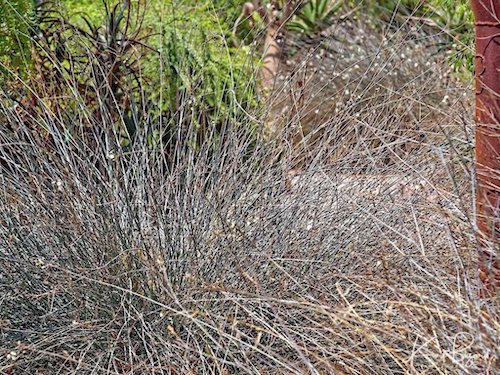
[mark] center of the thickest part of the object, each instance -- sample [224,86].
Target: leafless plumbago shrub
[217,260]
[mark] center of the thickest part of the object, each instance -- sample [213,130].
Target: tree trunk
[271,57]
[274,19]
[487,67]
[274,15]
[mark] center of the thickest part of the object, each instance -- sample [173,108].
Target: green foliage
[16,22]
[456,15]
[388,8]
[200,90]
[191,40]
[451,18]
[90,70]
[125,66]
[315,16]
[200,80]
[455,18]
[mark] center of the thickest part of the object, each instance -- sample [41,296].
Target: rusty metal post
[487,67]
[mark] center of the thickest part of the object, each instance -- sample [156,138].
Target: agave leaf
[89,24]
[308,11]
[311,24]
[105,3]
[334,9]
[298,25]
[321,7]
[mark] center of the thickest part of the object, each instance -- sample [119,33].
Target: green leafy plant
[451,18]
[200,96]
[389,8]
[314,16]
[128,72]
[95,67]
[16,20]
[455,19]
[115,52]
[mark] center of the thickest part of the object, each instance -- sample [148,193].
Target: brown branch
[262,11]
[246,12]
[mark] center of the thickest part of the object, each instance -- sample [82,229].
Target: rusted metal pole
[487,67]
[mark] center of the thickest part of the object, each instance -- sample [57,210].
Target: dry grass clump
[224,263]
[386,94]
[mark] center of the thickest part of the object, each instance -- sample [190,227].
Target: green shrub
[200,88]
[16,18]
[455,18]
[315,16]
[452,19]
[128,69]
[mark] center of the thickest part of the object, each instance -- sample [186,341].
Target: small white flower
[111,155]
[39,262]
[12,356]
